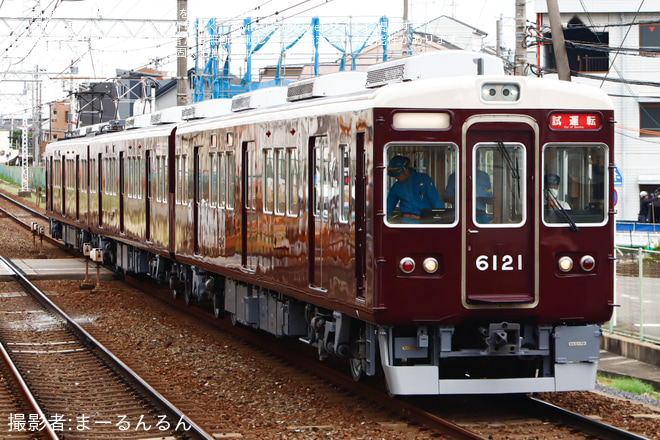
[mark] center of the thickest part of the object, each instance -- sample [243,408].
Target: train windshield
[417,177]
[574,184]
[499,188]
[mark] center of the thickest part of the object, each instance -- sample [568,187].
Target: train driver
[412,191]
[552,192]
[484,194]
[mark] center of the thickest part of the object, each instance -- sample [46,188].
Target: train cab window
[416,177]
[498,187]
[574,184]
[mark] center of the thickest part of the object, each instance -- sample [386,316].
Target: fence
[637,292]
[14,175]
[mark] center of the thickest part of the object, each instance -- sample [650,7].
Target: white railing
[637,294]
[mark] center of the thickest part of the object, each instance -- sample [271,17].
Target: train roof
[440,80]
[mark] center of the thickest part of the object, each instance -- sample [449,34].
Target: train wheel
[188,294]
[218,305]
[357,369]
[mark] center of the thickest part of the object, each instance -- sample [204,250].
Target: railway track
[84,392]
[532,417]
[477,419]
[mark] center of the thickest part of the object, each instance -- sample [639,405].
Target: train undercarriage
[472,358]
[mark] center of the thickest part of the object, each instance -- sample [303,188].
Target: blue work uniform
[484,189]
[417,192]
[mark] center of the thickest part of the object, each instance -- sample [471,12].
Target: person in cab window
[484,194]
[412,191]
[552,193]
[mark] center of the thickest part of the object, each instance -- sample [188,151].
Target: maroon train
[276,210]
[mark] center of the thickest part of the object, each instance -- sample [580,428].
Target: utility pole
[498,36]
[408,33]
[36,117]
[520,61]
[182,53]
[558,43]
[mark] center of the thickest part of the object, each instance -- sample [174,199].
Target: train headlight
[431,265]
[499,92]
[510,92]
[588,263]
[488,92]
[407,265]
[565,264]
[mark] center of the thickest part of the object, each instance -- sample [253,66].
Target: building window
[649,39]
[649,119]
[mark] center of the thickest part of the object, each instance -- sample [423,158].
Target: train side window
[213,159]
[269,184]
[182,179]
[93,177]
[345,185]
[84,176]
[292,201]
[165,181]
[179,178]
[574,184]
[280,181]
[222,180]
[415,184]
[231,180]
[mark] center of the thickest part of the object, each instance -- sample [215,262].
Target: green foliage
[629,384]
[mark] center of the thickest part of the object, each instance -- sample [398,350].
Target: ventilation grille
[386,75]
[240,103]
[300,90]
[188,113]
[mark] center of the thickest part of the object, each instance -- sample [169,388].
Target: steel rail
[22,206]
[600,430]
[27,395]
[115,363]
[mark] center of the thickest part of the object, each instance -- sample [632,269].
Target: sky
[96,59]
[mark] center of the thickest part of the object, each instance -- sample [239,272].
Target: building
[58,121]
[615,45]
[442,33]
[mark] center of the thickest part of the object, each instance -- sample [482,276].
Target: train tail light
[587,263]
[565,264]
[407,265]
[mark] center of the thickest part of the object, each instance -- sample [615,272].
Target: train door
[122,191]
[49,185]
[319,207]
[77,187]
[360,218]
[500,214]
[88,186]
[100,187]
[249,217]
[63,185]
[196,198]
[147,195]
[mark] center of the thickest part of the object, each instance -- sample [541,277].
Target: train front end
[493,226]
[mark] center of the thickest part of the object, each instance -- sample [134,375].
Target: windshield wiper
[556,205]
[513,169]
